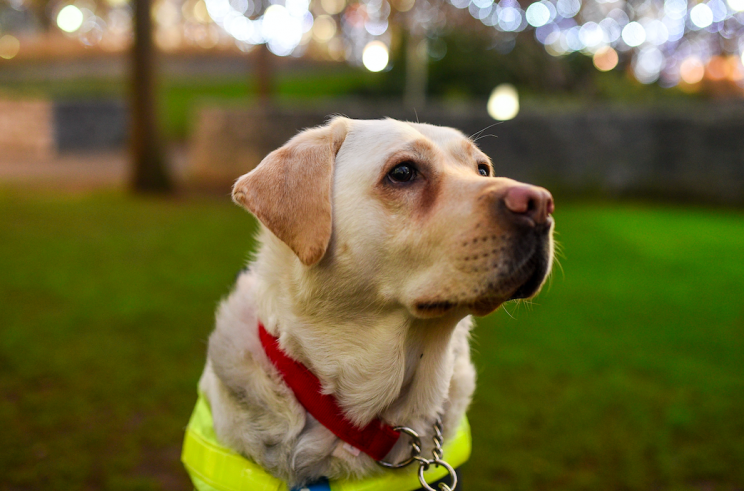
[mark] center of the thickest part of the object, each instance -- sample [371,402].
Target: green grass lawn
[627,373]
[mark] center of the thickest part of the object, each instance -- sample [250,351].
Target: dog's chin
[521,278]
[536,272]
[524,282]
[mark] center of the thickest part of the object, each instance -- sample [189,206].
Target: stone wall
[695,154]
[34,129]
[26,129]
[90,124]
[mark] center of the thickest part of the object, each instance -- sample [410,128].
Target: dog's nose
[532,202]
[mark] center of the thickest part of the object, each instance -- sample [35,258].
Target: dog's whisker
[484,129]
[484,136]
[507,311]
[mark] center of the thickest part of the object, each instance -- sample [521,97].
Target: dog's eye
[404,172]
[484,170]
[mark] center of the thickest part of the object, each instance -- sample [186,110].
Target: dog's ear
[290,190]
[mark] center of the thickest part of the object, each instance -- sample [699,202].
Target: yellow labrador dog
[378,240]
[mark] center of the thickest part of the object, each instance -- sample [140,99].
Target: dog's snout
[532,202]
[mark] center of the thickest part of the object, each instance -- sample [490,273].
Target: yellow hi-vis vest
[213,467]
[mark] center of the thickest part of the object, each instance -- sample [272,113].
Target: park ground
[626,373]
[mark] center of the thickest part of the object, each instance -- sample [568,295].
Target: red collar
[376,439]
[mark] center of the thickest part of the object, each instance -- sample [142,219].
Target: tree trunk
[417,58]
[149,168]
[264,70]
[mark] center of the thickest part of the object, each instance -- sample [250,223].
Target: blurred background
[123,124]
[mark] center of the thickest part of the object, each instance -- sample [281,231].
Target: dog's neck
[371,354]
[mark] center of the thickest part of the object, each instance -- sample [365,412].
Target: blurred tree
[149,168]
[264,74]
[417,61]
[40,9]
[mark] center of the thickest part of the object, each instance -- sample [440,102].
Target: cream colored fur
[342,286]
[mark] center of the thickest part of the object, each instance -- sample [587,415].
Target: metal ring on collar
[415,448]
[442,486]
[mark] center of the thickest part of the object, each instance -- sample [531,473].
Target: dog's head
[408,213]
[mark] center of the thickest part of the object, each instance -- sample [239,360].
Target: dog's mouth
[434,309]
[524,282]
[521,277]
[535,271]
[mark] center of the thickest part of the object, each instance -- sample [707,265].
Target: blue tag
[321,485]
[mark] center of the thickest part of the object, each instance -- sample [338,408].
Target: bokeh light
[701,15]
[675,9]
[648,65]
[333,7]
[9,46]
[200,12]
[651,38]
[568,8]
[692,70]
[537,14]
[375,56]
[634,34]
[324,28]
[736,69]
[281,30]
[657,32]
[404,5]
[282,27]
[718,68]
[503,104]
[70,18]
[605,59]
[591,36]
[510,19]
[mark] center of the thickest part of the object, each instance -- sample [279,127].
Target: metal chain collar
[424,463]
